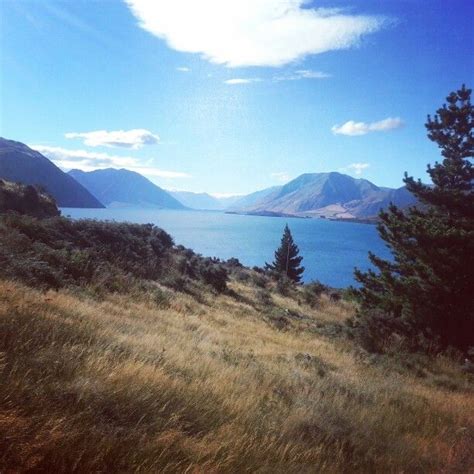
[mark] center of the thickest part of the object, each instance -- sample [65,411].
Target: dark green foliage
[234,263]
[57,252]
[214,274]
[426,293]
[211,271]
[287,260]
[26,200]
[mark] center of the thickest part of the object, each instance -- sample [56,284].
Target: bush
[242,275]
[214,274]
[284,285]
[234,263]
[264,297]
[259,280]
[57,252]
[312,293]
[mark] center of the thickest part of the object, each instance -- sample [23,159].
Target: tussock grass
[163,382]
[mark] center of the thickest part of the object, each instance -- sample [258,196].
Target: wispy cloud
[353,129]
[89,161]
[183,69]
[135,138]
[292,76]
[281,176]
[241,80]
[356,168]
[241,33]
[302,74]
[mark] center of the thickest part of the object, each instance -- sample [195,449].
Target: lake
[330,249]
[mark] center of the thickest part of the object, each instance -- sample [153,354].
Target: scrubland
[172,375]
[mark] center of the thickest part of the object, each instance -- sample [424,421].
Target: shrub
[259,280]
[312,293]
[284,285]
[176,282]
[242,275]
[214,274]
[234,263]
[264,297]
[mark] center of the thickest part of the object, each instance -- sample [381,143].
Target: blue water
[330,250]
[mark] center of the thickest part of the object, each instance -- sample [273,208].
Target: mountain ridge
[203,201]
[20,163]
[123,188]
[330,195]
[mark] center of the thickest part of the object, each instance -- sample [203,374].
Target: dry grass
[221,385]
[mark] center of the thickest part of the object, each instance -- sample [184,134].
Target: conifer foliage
[427,291]
[287,260]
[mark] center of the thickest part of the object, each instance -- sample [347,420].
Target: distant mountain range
[204,201]
[19,163]
[330,195]
[121,188]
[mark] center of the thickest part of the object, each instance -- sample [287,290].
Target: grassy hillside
[167,372]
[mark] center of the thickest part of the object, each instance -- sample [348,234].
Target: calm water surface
[330,250]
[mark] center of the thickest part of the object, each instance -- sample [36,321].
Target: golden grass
[129,384]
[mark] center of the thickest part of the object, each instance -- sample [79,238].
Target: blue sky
[232,96]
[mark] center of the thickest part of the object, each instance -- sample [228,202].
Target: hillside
[250,200]
[327,194]
[19,163]
[116,188]
[26,200]
[131,358]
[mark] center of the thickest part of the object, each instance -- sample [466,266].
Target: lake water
[330,250]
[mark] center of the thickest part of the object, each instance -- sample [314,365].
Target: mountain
[250,200]
[19,163]
[197,200]
[121,188]
[332,195]
[208,202]
[203,201]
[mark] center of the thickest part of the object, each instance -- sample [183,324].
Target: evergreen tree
[427,291]
[287,260]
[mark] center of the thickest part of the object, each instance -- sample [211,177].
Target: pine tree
[427,291]
[287,260]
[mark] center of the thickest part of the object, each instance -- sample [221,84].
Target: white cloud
[183,69]
[135,138]
[357,168]
[241,33]
[354,129]
[302,74]
[281,176]
[89,161]
[240,80]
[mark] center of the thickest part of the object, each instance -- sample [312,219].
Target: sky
[232,96]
